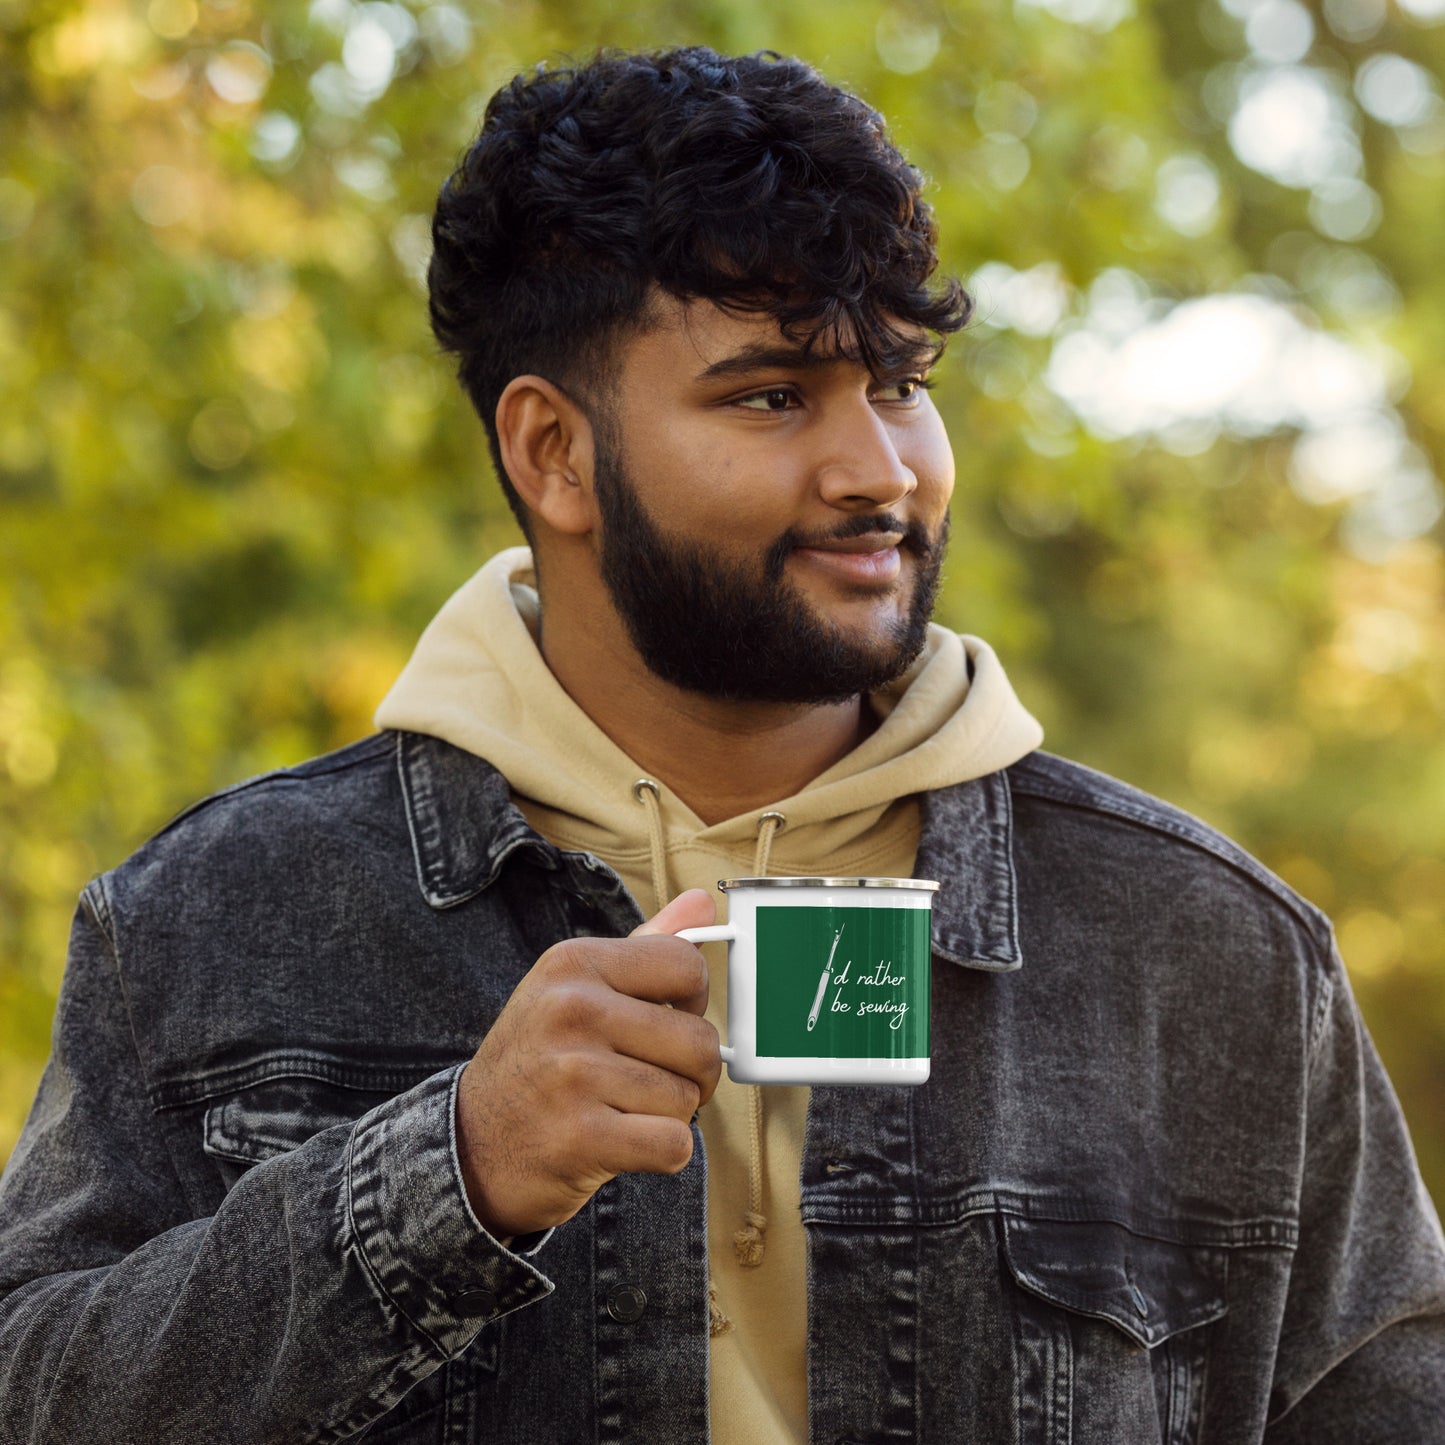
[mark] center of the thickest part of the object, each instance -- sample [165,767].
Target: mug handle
[714,933]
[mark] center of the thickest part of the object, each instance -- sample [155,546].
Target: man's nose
[861,469]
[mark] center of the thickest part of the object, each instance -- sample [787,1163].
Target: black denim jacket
[1157,1188]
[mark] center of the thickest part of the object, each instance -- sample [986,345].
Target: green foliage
[236,479]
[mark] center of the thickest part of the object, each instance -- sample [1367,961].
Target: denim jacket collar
[464,827]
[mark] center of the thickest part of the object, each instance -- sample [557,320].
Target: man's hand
[594,1068]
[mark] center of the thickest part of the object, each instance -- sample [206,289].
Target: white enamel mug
[828,979]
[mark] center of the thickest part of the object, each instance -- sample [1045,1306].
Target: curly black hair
[749,181]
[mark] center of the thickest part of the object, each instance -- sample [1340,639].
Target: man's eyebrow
[765,357]
[772,357]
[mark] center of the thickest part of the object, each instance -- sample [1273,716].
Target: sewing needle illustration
[823,982]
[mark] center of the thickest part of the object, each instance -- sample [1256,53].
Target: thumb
[693,909]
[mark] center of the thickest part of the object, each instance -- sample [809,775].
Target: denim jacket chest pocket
[249,1127]
[254,1124]
[1111,1334]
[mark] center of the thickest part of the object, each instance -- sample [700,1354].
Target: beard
[741,630]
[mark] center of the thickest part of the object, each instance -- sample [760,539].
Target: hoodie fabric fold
[478,680]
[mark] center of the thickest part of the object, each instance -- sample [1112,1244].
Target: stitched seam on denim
[1083,1304]
[441,899]
[361,1250]
[411,807]
[1199,837]
[112,945]
[987,937]
[1261,1231]
[97,894]
[1006,825]
[1319,1020]
[364,1078]
[95,899]
[356,755]
[510,1301]
[433,870]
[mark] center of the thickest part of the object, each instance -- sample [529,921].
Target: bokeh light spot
[1279,31]
[1187,194]
[172,19]
[162,196]
[240,73]
[1394,90]
[906,46]
[220,435]
[1291,126]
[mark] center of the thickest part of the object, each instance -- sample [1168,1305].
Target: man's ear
[547,447]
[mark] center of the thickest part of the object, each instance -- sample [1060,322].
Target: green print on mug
[842,982]
[827,979]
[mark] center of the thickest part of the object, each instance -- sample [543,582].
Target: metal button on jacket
[473,1303]
[626,1303]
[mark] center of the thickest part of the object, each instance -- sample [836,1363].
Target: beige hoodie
[478,680]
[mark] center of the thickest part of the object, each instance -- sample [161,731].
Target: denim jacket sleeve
[330,1280]
[1361,1354]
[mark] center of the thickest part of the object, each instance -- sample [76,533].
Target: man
[376,1107]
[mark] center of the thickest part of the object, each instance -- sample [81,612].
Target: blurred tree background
[1200,421]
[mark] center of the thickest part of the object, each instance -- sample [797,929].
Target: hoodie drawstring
[769,826]
[647,793]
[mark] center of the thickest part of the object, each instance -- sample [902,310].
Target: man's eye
[910,389]
[775,398]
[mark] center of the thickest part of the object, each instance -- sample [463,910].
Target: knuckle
[569,1070]
[696,969]
[685,963]
[569,956]
[706,1043]
[573,1007]
[676,1149]
[580,1141]
[688,1097]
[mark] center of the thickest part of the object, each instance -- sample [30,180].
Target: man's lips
[873,557]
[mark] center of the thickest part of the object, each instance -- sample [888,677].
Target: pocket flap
[279,1115]
[1149,1288]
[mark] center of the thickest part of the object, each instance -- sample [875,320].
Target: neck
[722,758]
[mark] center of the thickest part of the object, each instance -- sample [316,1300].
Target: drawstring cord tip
[717,1322]
[748,1242]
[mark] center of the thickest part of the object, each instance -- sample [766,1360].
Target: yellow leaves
[1119,590]
[29,749]
[353,676]
[1430,388]
[17,206]
[220,434]
[411,397]
[346,244]
[1382,667]
[163,195]
[1231,756]
[172,19]
[21,446]
[1419,890]
[1371,942]
[1399,933]
[280,345]
[101,33]
[1309,878]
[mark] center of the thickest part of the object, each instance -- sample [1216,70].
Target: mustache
[916,538]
